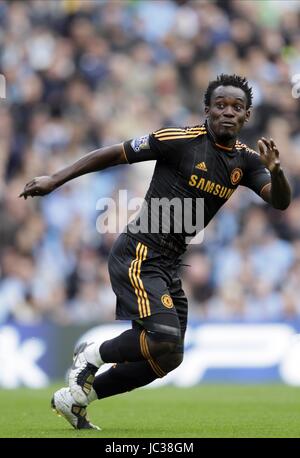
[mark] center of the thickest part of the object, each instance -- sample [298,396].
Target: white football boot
[86,362]
[65,405]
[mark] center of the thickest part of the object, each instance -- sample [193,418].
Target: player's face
[227,112]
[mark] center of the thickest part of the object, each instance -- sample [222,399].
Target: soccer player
[206,161]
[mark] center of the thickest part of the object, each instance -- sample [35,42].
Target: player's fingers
[28,186]
[30,191]
[31,187]
[275,149]
[261,148]
[272,143]
[24,193]
[266,142]
[34,193]
[30,183]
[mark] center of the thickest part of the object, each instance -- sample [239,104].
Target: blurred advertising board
[35,356]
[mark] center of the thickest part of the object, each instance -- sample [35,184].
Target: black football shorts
[147,285]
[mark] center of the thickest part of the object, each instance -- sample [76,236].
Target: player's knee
[159,347]
[169,362]
[166,351]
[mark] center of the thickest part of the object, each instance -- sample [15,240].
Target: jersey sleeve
[139,150]
[256,176]
[166,144]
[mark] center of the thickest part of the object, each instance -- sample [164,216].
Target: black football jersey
[198,173]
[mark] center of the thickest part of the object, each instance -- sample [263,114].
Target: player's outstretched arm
[278,192]
[92,162]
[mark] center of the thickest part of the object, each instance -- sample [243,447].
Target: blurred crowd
[84,74]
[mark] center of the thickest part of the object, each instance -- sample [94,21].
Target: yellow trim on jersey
[124,152]
[172,131]
[175,133]
[135,279]
[192,132]
[177,136]
[240,145]
[224,147]
[176,129]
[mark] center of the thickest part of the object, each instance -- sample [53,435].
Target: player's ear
[206,110]
[248,112]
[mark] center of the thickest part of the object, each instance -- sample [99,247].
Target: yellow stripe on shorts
[136,281]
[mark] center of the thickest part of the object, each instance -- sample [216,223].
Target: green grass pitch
[204,411]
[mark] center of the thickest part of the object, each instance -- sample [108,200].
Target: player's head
[228,100]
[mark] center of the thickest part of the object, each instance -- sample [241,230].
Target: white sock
[92,396]
[92,354]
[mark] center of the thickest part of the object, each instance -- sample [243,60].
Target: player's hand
[39,186]
[269,154]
